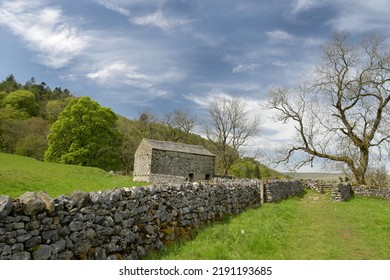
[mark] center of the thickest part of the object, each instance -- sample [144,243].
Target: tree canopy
[22,100]
[25,118]
[85,133]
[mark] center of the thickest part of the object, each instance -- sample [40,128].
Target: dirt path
[326,232]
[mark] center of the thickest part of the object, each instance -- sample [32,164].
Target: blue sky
[130,55]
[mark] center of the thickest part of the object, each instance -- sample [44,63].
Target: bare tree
[229,127]
[181,124]
[146,122]
[343,115]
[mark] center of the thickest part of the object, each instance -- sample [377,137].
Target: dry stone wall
[277,190]
[342,192]
[371,192]
[115,224]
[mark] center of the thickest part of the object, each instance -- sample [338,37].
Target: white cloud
[281,37]
[305,5]
[361,16]
[125,7]
[203,100]
[279,34]
[350,15]
[107,72]
[245,68]
[119,73]
[115,7]
[159,20]
[54,37]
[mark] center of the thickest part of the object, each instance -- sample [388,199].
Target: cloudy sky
[130,55]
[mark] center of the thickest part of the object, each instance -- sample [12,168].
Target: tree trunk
[360,172]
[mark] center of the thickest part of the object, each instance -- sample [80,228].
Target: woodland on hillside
[28,112]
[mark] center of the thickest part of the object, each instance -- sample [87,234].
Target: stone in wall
[6,204]
[30,203]
[47,201]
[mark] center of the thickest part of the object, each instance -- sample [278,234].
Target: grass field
[20,174]
[300,228]
[307,227]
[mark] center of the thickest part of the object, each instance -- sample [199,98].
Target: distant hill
[327,177]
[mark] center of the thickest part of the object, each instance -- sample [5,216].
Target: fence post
[262,191]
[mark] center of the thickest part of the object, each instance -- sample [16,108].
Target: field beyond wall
[20,174]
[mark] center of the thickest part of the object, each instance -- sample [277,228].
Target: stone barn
[162,161]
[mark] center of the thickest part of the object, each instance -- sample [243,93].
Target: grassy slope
[311,227]
[265,172]
[20,174]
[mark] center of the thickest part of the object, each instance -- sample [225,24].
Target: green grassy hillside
[246,168]
[19,174]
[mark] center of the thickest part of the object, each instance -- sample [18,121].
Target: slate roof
[177,147]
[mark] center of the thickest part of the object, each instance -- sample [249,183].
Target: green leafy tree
[2,97]
[54,107]
[11,131]
[22,100]
[11,127]
[33,142]
[9,84]
[129,143]
[256,172]
[246,173]
[85,134]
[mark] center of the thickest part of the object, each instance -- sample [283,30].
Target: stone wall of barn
[142,163]
[190,167]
